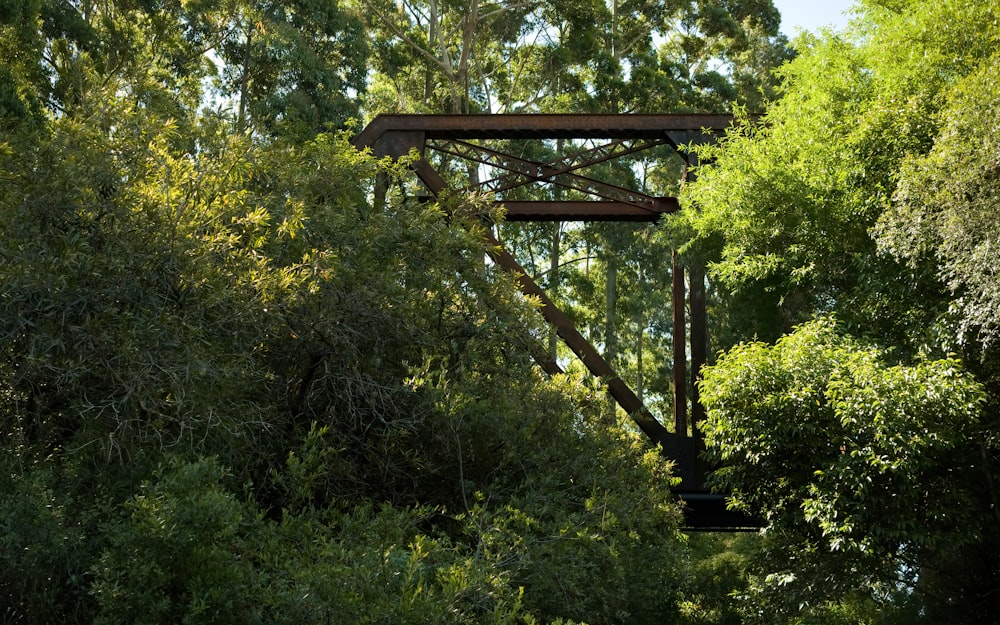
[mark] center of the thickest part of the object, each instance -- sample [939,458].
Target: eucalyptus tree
[445,56]
[292,67]
[63,52]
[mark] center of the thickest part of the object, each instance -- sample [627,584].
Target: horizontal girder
[529,171]
[581,210]
[544,126]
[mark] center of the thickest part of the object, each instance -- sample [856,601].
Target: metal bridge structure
[473,140]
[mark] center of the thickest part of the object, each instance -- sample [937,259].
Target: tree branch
[401,34]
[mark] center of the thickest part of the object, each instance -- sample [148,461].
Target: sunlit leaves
[819,431]
[778,191]
[947,205]
[233,300]
[788,207]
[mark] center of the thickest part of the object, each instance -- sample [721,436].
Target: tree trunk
[241,118]
[641,328]
[610,318]
[554,255]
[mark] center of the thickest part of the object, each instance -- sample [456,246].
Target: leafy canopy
[857,462]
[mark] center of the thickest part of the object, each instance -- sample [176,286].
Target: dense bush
[237,391]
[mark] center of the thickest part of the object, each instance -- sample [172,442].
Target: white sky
[811,14]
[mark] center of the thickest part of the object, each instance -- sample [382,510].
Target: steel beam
[586,352]
[582,158]
[699,341]
[547,126]
[679,346]
[530,172]
[571,210]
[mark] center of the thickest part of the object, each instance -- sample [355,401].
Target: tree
[864,461]
[946,205]
[838,202]
[826,160]
[446,57]
[235,376]
[294,68]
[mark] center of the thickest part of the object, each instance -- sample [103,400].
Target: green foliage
[292,68]
[606,536]
[786,206]
[865,192]
[784,209]
[106,342]
[865,463]
[19,46]
[573,56]
[235,389]
[177,556]
[190,550]
[717,578]
[45,546]
[946,205]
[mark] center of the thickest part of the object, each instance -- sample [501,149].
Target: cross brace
[523,172]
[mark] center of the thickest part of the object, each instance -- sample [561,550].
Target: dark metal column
[699,340]
[680,347]
[699,318]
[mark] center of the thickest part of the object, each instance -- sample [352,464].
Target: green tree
[292,68]
[236,357]
[841,201]
[447,57]
[827,160]
[946,205]
[864,463]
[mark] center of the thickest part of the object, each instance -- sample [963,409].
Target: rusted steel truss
[522,172]
[462,137]
[597,154]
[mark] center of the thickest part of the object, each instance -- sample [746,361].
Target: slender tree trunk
[610,317]
[468,45]
[641,328]
[432,37]
[241,118]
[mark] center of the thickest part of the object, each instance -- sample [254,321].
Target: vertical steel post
[680,347]
[699,340]
[699,318]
